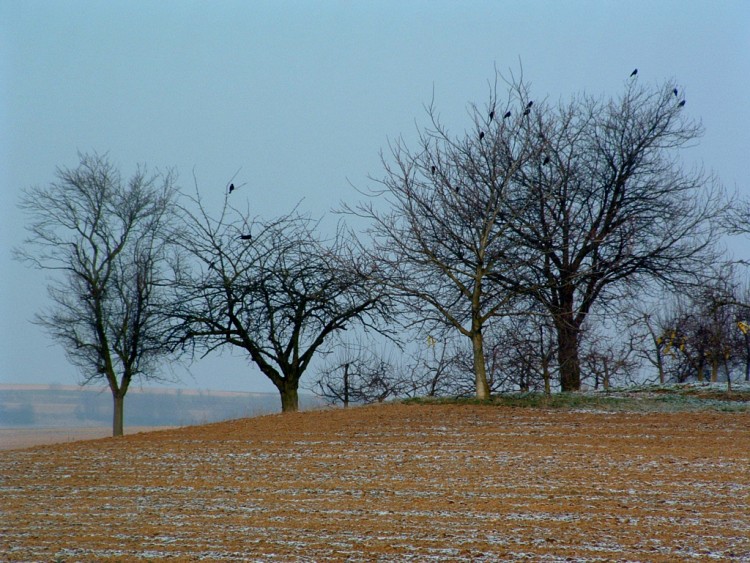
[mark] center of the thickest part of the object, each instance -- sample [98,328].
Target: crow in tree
[531,103]
[246,237]
[632,74]
[231,188]
[527,111]
[546,160]
[507,115]
[481,135]
[434,169]
[682,104]
[492,115]
[675,92]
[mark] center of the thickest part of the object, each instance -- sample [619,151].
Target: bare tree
[709,329]
[699,331]
[608,355]
[718,326]
[359,374]
[434,368]
[523,349]
[442,247]
[742,322]
[738,221]
[653,336]
[422,366]
[614,210]
[273,289]
[687,342]
[104,240]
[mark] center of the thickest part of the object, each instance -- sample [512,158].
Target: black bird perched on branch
[531,103]
[546,160]
[675,92]
[527,111]
[481,135]
[231,188]
[246,237]
[682,104]
[635,71]
[507,115]
[492,115]
[434,169]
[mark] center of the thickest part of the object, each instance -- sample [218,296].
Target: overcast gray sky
[302,96]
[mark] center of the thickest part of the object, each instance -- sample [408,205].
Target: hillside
[392,482]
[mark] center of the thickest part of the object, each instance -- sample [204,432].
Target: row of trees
[507,237]
[702,336]
[146,273]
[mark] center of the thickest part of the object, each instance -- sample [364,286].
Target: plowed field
[391,483]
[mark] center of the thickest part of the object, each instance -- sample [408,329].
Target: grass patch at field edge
[642,399]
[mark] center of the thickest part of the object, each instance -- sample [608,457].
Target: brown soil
[392,483]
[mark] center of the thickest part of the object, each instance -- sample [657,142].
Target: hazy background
[301,97]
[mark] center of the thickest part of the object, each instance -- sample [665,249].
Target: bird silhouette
[546,160]
[527,111]
[481,135]
[635,71]
[246,237]
[492,115]
[682,104]
[507,115]
[675,92]
[231,188]
[434,169]
[531,103]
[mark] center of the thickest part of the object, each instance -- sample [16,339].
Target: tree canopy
[105,240]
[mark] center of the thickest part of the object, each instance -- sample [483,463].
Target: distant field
[15,438]
[434,482]
[57,406]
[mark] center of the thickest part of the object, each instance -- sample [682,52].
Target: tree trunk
[480,372]
[289,397]
[547,378]
[567,357]
[729,375]
[546,357]
[346,385]
[660,366]
[714,370]
[118,414]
